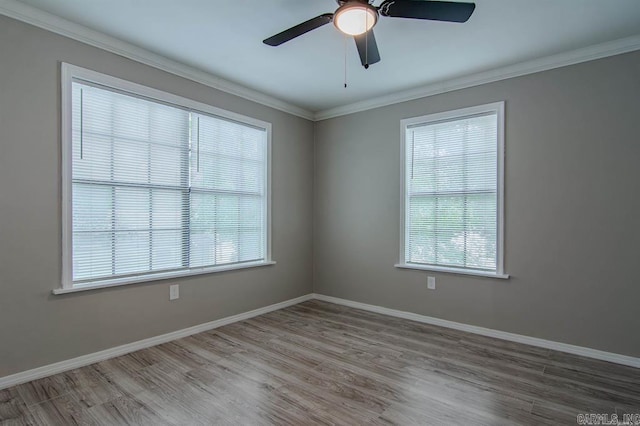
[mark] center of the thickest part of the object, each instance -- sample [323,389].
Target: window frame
[71,73]
[462,113]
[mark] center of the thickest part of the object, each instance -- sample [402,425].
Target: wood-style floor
[319,363]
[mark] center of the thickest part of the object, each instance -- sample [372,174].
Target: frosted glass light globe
[355,19]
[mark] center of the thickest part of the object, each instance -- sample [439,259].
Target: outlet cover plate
[174,292]
[431,283]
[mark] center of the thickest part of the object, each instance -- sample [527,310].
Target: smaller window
[453,198]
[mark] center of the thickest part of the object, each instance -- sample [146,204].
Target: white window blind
[160,188]
[453,191]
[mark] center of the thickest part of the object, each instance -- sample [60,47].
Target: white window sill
[451,270]
[159,276]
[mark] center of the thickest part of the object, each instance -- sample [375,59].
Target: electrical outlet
[431,283]
[174,292]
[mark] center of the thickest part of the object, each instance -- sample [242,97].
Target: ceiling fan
[358,17]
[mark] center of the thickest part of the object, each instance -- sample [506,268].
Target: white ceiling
[224,38]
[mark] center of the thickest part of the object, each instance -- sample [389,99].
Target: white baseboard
[81,361]
[512,337]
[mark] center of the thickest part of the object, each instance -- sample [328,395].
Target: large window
[158,186]
[452,176]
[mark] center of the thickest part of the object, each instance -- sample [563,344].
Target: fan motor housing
[342,2]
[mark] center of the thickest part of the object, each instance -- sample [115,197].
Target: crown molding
[572,57]
[25,13]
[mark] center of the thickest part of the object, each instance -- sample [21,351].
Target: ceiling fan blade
[367,48]
[432,10]
[299,29]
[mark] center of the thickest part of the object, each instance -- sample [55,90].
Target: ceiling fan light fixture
[355,18]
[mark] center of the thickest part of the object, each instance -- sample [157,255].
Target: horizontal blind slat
[147,200]
[452,193]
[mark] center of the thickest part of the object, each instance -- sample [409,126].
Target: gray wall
[37,328]
[571,203]
[572,206]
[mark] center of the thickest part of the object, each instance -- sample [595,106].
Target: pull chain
[366,41]
[345,61]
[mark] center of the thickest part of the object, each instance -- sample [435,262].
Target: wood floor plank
[320,363]
[42,390]
[506,346]
[62,410]
[25,420]
[621,385]
[594,366]
[13,409]
[280,373]
[134,410]
[545,413]
[408,392]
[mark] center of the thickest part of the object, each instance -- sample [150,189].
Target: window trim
[69,73]
[498,109]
